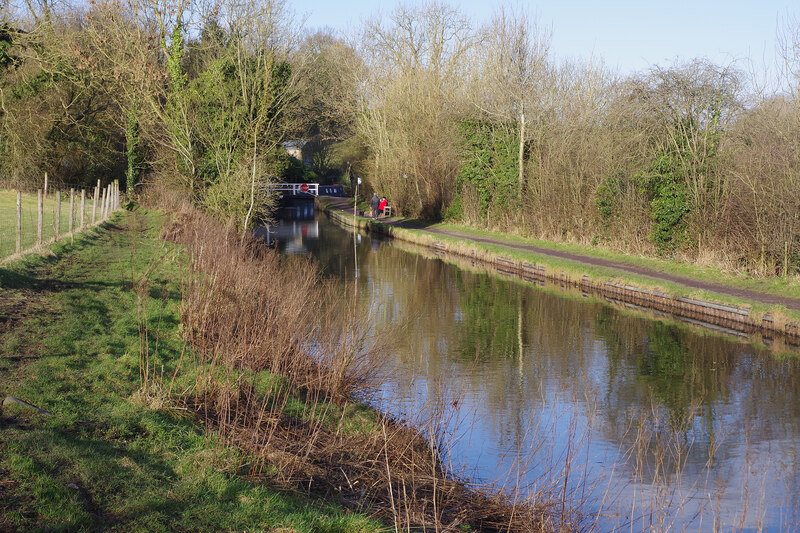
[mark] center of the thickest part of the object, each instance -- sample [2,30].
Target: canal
[538,391]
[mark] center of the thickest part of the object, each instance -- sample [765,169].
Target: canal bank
[725,306]
[148,401]
[114,450]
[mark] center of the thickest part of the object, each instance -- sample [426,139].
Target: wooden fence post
[57,221]
[83,203]
[41,217]
[45,185]
[71,211]
[19,221]
[107,202]
[94,203]
[102,203]
[786,259]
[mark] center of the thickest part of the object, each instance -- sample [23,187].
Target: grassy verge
[418,232]
[110,457]
[770,285]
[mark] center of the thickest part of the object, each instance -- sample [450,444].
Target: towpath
[343,204]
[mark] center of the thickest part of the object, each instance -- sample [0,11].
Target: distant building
[297,149]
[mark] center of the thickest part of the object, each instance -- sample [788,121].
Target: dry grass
[279,359]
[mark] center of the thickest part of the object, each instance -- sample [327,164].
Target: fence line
[47,217]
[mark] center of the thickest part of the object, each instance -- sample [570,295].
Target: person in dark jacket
[373,205]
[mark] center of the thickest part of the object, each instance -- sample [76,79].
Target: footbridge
[297,199]
[304,189]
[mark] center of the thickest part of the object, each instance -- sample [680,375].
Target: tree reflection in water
[660,424]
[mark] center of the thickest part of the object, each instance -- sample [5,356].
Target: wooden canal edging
[726,318]
[721,317]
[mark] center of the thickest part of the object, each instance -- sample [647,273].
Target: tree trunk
[252,185]
[522,147]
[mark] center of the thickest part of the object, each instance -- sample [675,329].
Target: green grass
[110,458]
[575,269]
[775,285]
[789,287]
[30,224]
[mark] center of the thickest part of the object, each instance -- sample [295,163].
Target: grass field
[8,218]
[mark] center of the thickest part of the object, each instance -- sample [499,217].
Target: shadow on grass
[20,280]
[145,471]
[78,481]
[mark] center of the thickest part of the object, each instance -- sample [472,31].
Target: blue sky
[626,34]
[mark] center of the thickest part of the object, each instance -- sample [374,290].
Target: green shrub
[665,187]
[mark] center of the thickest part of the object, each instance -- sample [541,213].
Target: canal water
[542,392]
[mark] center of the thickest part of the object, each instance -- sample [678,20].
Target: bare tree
[514,59]
[416,65]
[329,70]
[695,103]
[789,54]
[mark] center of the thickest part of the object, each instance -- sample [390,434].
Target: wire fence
[31,220]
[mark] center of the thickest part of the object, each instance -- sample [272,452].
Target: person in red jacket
[382,205]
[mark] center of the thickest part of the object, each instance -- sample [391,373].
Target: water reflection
[290,235]
[664,425]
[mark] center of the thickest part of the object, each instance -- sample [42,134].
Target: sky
[628,35]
